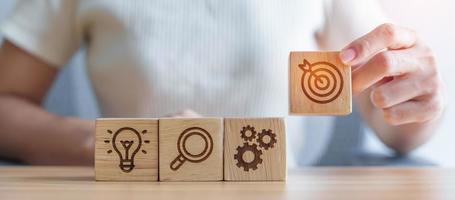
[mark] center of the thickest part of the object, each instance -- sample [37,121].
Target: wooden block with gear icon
[191,149]
[319,84]
[254,149]
[126,150]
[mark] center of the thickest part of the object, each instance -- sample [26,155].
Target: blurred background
[72,95]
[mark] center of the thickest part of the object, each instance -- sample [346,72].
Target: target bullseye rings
[321,82]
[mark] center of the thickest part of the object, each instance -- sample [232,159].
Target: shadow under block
[191,149]
[254,149]
[126,150]
[319,84]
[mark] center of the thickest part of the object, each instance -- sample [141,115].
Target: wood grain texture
[143,133]
[319,84]
[403,183]
[200,157]
[254,149]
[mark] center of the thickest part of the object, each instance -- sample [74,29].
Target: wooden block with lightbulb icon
[254,149]
[126,150]
[319,84]
[191,149]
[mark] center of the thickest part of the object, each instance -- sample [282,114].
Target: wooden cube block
[191,149]
[254,149]
[319,84]
[126,149]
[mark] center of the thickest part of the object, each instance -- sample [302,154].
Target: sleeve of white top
[45,29]
[346,20]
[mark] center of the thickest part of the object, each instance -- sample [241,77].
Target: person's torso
[154,58]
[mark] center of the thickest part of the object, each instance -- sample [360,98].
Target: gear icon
[241,150]
[266,145]
[245,130]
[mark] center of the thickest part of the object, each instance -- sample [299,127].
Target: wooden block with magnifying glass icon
[319,84]
[126,150]
[191,149]
[254,149]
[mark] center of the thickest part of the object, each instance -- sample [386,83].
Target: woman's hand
[397,85]
[400,73]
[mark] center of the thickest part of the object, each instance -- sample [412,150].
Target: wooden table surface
[310,183]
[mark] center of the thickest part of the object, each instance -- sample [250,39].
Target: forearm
[31,134]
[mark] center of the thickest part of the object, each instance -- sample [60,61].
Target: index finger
[385,36]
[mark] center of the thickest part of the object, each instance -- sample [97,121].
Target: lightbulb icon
[126,142]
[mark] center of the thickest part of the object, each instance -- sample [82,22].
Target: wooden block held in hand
[254,149]
[319,84]
[191,149]
[126,150]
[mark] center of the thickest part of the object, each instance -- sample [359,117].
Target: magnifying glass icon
[185,155]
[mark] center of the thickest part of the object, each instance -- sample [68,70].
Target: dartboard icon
[322,81]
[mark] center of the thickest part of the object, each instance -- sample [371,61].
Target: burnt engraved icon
[321,82]
[126,142]
[271,139]
[252,163]
[266,140]
[185,155]
[248,133]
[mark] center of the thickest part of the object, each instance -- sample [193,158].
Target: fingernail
[347,55]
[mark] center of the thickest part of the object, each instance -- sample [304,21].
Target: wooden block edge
[291,112]
[219,119]
[97,177]
[283,122]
